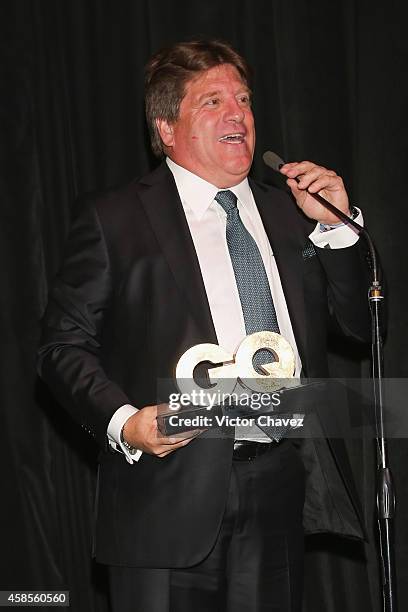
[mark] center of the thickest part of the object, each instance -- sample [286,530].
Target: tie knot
[227,200]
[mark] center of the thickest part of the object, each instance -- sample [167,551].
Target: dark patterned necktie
[252,282]
[250,274]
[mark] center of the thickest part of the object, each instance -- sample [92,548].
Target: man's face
[214,136]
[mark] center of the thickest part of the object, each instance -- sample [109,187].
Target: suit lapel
[165,212]
[287,251]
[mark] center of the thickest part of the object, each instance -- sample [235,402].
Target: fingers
[176,440]
[318,178]
[141,431]
[306,179]
[325,181]
[165,449]
[294,169]
[308,176]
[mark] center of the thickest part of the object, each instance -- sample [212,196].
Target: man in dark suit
[156,267]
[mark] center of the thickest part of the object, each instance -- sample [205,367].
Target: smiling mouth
[232,138]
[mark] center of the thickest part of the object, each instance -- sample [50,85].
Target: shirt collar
[198,194]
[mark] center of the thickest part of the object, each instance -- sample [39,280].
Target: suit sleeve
[70,359]
[348,279]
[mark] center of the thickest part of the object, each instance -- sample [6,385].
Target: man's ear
[166,132]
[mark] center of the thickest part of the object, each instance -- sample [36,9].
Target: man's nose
[235,112]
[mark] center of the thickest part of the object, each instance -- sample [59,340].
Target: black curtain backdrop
[329,86]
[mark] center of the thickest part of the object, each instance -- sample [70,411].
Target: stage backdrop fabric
[329,86]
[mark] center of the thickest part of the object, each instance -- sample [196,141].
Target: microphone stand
[386,500]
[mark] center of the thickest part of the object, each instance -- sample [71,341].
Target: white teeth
[232,138]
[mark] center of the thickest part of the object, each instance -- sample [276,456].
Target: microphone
[275,162]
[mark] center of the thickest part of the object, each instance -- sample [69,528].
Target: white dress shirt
[207,223]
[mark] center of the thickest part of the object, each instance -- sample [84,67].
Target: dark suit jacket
[128,302]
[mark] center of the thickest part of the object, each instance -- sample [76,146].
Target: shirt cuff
[339,237]
[115,426]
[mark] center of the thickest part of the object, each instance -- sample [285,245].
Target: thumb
[299,194]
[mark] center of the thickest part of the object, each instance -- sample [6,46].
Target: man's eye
[212,101]
[245,99]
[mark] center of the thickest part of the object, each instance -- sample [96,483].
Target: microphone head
[273,161]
